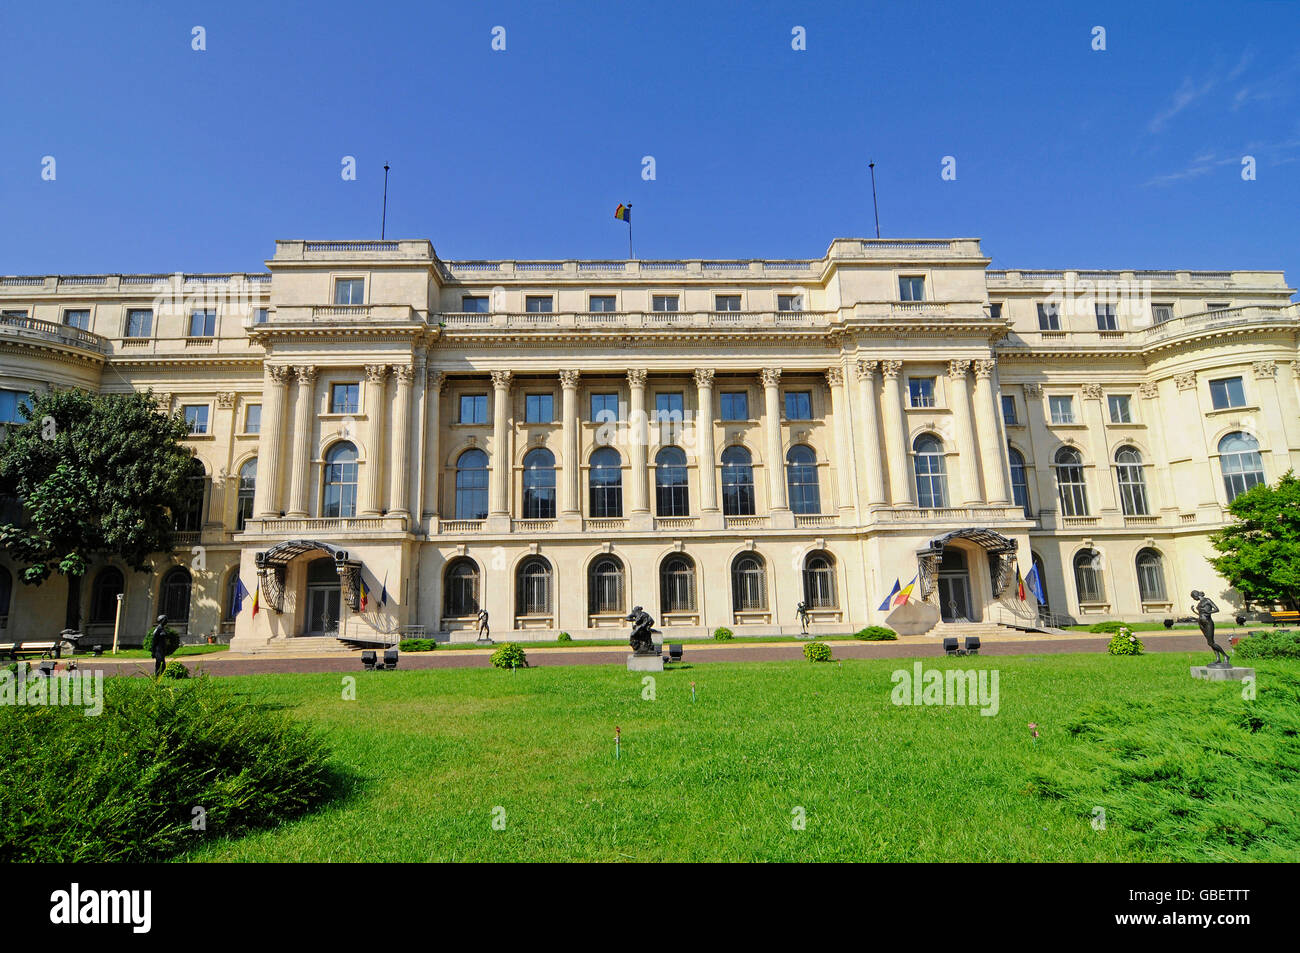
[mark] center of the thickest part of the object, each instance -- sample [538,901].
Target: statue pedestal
[1215,674]
[645,663]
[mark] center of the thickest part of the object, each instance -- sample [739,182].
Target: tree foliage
[95,475]
[1261,549]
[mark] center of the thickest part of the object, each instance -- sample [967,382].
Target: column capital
[835,376]
[569,379]
[375,373]
[957,370]
[890,369]
[1091,391]
[1033,391]
[404,373]
[501,379]
[305,373]
[1149,389]
[636,377]
[434,380]
[704,377]
[984,369]
[867,369]
[771,376]
[279,373]
[226,400]
[1185,381]
[1264,370]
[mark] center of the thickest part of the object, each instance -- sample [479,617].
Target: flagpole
[874,206]
[629,231]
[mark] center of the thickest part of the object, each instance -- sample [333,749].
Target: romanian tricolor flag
[905,594]
[365,595]
[889,599]
[257,595]
[1020,585]
[623,213]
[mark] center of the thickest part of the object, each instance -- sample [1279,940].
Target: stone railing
[1209,320]
[24,328]
[816,521]
[516,320]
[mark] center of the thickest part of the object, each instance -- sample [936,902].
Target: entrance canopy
[271,565]
[1001,550]
[281,554]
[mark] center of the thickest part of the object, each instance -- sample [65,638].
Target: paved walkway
[225,663]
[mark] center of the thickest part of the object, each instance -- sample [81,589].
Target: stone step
[305,643]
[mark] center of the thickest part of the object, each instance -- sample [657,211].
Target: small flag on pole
[889,599]
[365,595]
[257,594]
[623,213]
[1034,584]
[241,594]
[905,594]
[383,592]
[1020,585]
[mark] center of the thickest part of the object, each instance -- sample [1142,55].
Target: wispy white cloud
[1280,152]
[1190,91]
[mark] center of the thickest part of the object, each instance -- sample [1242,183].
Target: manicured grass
[1160,627]
[709,640]
[432,753]
[182,652]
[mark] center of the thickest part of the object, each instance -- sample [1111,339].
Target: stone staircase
[982,630]
[304,643]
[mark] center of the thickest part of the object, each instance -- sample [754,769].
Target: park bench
[14,650]
[1279,618]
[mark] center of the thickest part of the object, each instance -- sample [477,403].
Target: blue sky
[171,159]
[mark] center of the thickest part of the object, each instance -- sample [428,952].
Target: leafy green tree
[95,476]
[1261,549]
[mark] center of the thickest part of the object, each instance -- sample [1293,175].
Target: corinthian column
[897,451]
[638,433]
[501,469]
[302,427]
[704,452]
[400,480]
[992,454]
[871,431]
[569,418]
[777,500]
[370,489]
[845,466]
[267,490]
[970,474]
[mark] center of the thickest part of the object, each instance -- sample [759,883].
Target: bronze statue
[801,611]
[642,638]
[158,646]
[1205,608]
[484,632]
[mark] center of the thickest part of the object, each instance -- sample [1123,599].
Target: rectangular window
[995,309]
[539,408]
[538,304]
[139,323]
[77,319]
[1062,409]
[10,401]
[1106,318]
[261,315]
[1008,410]
[473,408]
[669,406]
[798,405]
[726,302]
[911,288]
[664,302]
[474,304]
[789,302]
[1049,317]
[1120,411]
[196,415]
[350,291]
[1160,313]
[604,407]
[345,398]
[203,324]
[601,303]
[253,418]
[735,405]
[920,391]
[1218,305]
[13,314]
[1227,392]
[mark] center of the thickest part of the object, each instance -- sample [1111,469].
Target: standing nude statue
[1205,608]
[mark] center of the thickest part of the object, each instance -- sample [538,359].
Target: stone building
[557,441]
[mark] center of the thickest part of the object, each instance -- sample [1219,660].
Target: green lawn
[182,652]
[553,644]
[1184,769]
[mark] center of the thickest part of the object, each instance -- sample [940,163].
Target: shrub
[817,652]
[564,637]
[123,786]
[510,655]
[176,669]
[1124,642]
[173,641]
[1106,627]
[876,633]
[417,645]
[1275,644]
[723,634]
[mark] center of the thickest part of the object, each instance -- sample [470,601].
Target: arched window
[931,476]
[1019,482]
[6,594]
[672,497]
[189,517]
[605,481]
[737,482]
[174,596]
[472,486]
[748,583]
[1070,486]
[677,584]
[533,587]
[340,498]
[605,586]
[1132,484]
[461,594]
[1088,579]
[819,581]
[801,480]
[1240,462]
[539,485]
[247,492]
[1151,576]
[103,595]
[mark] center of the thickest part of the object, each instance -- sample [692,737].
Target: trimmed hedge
[876,633]
[417,645]
[564,637]
[1106,626]
[1283,643]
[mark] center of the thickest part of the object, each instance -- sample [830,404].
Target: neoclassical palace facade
[387,442]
